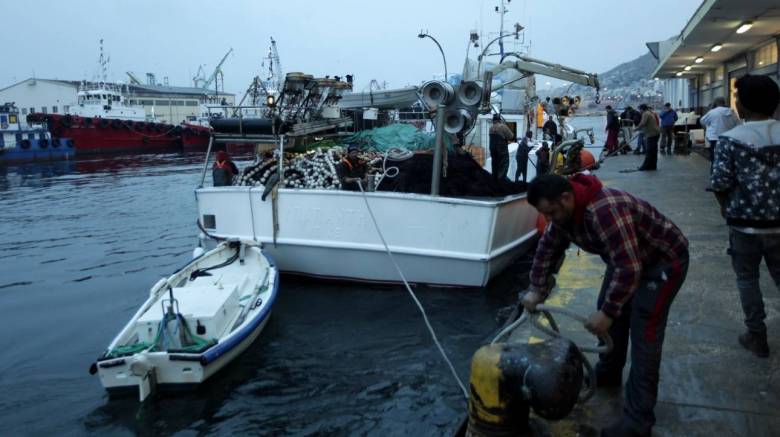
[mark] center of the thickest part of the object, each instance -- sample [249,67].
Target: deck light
[716,47]
[687,68]
[270,101]
[679,73]
[745,27]
[699,60]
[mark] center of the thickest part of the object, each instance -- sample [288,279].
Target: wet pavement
[710,385]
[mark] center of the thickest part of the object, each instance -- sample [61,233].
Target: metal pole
[437,151]
[444,58]
[206,164]
[281,160]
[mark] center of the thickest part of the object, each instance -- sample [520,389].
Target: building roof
[146,89]
[716,22]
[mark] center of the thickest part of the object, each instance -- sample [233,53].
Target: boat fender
[116,124]
[198,251]
[70,143]
[145,140]
[93,369]
[104,123]
[56,142]
[43,143]
[67,121]
[199,329]
[25,144]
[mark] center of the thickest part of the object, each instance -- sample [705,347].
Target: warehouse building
[167,104]
[723,41]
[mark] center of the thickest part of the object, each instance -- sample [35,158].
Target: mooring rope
[414,297]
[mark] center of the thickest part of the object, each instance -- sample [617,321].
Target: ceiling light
[687,68]
[699,60]
[745,27]
[716,47]
[679,73]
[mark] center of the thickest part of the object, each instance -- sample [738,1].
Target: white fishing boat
[436,240]
[194,322]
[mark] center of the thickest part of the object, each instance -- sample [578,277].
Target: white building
[168,104]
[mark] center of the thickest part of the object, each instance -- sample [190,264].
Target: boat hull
[102,135]
[330,234]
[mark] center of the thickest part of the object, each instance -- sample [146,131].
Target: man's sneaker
[755,342]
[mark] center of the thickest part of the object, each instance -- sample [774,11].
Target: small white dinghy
[194,322]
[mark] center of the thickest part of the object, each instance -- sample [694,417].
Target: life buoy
[67,121]
[25,144]
[43,143]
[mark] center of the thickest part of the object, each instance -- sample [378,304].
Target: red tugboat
[103,122]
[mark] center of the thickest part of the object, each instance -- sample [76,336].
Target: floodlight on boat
[270,100]
[698,60]
[745,27]
[687,68]
[679,73]
[716,47]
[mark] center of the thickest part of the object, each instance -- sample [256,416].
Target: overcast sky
[370,39]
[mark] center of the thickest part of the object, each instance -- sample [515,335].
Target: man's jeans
[643,319]
[747,251]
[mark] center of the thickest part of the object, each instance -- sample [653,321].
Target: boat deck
[709,384]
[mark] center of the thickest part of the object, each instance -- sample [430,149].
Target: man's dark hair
[548,187]
[496,117]
[643,107]
[758,94]
[668,105]
[609,108]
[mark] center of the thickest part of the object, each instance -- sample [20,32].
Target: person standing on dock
[224,170]
[613,127]
[500,137]
[521,156]
[668,119]
[647,261]
[746,181]
[550,129]
[717,120]
[648,126]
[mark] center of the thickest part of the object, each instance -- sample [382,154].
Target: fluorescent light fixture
[745,27]
[716,47]
[699,60]
[687,68]
[657,78]
[679,73]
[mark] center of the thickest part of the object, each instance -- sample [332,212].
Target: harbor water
[81,243]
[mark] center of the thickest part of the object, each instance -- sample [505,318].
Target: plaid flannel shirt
[628,233]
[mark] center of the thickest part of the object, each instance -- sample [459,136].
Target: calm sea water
[82,242]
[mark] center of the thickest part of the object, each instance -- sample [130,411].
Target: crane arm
[529,65]
[213,76]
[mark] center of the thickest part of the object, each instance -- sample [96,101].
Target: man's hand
[598,323]
[531,299]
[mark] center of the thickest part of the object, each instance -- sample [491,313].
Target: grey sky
[371,39]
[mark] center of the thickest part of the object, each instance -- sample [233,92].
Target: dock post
[438,151]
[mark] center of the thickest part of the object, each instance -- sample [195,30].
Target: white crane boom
[213,76]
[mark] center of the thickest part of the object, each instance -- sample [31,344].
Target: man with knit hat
[647,260]
[224,170]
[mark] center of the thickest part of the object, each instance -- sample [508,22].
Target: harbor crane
[200,81]
[274,79]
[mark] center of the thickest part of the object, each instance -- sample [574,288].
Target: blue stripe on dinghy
[222,348]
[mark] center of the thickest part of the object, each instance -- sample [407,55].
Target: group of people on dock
[647,254]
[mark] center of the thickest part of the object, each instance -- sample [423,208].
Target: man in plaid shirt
[647,260]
